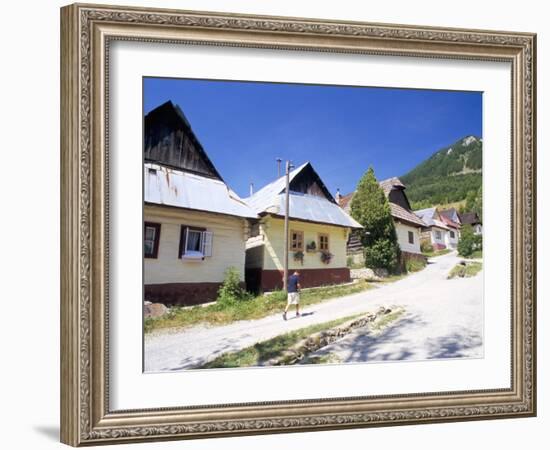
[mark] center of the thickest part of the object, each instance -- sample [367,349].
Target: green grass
[387,319]
[414,265]
[477,254]
[254,308]
[263,351]
[465,271]
[437,252]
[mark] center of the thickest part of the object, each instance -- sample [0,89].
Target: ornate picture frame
[87,32]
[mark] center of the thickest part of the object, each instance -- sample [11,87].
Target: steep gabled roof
[398,212]
[430,217]
[470,218]
[159,124]
[391,183]
[314,208]
[172,187]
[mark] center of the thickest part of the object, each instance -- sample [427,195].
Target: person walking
[293,289]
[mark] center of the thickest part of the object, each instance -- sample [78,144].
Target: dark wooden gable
[398,197]
[169,140]
[308,182]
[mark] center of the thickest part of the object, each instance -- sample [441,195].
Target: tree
[469,242]
[370,207]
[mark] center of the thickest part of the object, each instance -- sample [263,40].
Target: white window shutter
[207,243]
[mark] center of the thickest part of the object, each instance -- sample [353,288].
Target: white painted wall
[273,232]
[438,236]
[403,237]
[228,247]
[450,241]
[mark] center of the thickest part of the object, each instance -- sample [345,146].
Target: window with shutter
[151,238]
[195,243]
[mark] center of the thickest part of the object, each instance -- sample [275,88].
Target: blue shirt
[293,281]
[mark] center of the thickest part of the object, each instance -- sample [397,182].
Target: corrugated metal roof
[171,187]
[270,199]
[427,215]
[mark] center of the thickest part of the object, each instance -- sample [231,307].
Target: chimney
[338,196]
[279,160]
[251,189]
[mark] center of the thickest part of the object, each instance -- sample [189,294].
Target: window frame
[183,239]
[319,246]
[156,239]
[410,237]
[438,235]
[291,241]
[452,234]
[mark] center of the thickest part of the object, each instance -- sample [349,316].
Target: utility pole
[287,205]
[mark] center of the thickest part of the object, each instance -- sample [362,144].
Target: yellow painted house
[319,231]
[195,226]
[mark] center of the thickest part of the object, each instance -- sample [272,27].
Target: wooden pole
[287,204]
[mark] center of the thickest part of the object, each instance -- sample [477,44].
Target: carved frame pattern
[85,416]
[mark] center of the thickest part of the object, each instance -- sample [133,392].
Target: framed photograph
[276,224]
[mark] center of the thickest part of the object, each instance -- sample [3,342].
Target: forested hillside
[452,174]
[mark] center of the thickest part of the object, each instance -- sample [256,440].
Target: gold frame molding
[86,31]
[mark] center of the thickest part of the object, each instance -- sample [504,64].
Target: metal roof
[271,199]
[171,187]
[427,216]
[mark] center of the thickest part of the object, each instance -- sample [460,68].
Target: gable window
[452,233]
[323,242]
[151,237]
[297,241]
[411,237]
[195,243]
[438,235]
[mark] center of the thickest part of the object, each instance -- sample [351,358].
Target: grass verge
[465,271]
[261,352]
[255,308]
[437,253]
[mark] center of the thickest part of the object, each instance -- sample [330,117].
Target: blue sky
[245,126]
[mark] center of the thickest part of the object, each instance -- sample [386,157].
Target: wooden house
[319,230]
[195,226]
[471,218]
[408,226]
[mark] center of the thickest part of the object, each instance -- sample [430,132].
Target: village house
[407,225]
[450,218]
[436,232]
[471,218]
[318,232]
[195,226]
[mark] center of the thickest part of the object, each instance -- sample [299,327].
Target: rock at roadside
[368,274]
[154,309]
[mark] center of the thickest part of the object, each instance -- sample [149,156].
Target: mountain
[450,175]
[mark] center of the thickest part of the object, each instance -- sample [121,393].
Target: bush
[426,247]
[231,291]
[382,254]
[469,242]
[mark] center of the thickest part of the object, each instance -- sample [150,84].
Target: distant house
[407,225]
[319,230]
[450,218]
[195,226]
[435,232]
[472,219]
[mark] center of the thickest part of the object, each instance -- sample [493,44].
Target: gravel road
[444,318]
